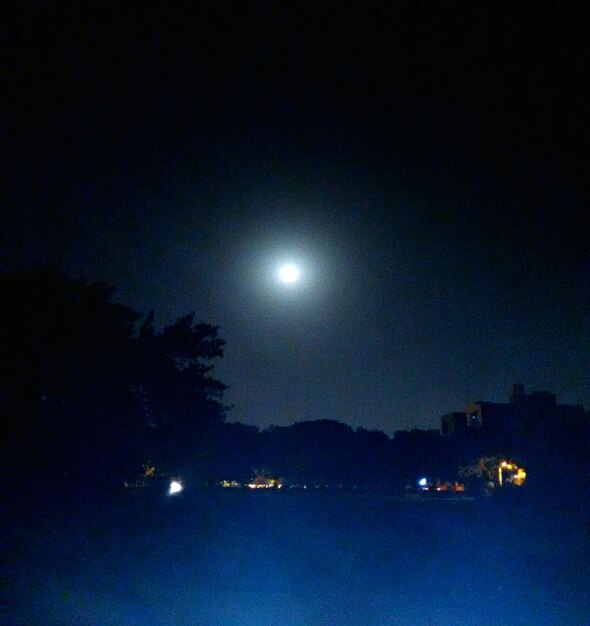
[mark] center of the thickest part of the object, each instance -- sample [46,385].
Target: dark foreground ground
[262,559]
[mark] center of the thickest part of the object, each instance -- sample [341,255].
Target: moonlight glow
[289,273]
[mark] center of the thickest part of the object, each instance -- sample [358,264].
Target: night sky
[424,162]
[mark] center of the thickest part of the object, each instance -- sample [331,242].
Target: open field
[240,559]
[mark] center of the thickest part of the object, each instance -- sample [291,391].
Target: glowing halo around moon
[289,273]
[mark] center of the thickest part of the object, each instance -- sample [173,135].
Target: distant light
[423,482]
[520,477]
[230,484]
[175,487]
[289,273]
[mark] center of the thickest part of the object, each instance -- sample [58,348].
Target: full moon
[289,273]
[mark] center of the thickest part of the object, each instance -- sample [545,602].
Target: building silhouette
[527,425]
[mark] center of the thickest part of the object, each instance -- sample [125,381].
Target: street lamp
[504,465]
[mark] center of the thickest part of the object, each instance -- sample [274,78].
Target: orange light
[519,477]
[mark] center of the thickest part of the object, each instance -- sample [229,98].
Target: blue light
[175,487]
[423,482]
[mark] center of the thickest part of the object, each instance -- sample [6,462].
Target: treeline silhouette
[91,389]
[329,453]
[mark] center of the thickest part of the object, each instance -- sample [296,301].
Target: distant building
[452,423]
[510,425]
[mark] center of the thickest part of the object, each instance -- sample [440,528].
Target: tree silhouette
[81,386]
[181,403]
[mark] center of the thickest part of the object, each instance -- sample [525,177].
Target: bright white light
[423,482]
[289,273]
[175,487]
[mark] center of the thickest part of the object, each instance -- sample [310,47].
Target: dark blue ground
[241,559]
